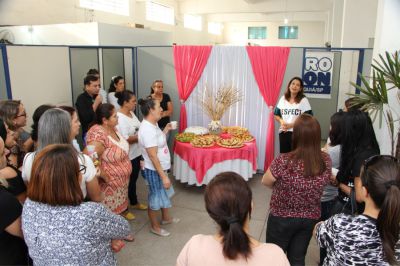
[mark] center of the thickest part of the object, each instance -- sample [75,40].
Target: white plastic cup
[90,149]
[174,124]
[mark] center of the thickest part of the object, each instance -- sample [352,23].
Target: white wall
[57,34]
[115,35]
[39,75]
[310,34]
[387,38]
[21,12]
[359,20]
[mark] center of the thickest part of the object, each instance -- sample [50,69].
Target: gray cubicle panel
[157,63]
[113,64]
[3,86]
[82,59]
[323,109]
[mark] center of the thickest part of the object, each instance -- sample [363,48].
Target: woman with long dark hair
[117,85]
[297,179]
[228,200]
[371,238]
[290,106]
[157,93]
[358,143]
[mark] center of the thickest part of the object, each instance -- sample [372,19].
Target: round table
[197,166]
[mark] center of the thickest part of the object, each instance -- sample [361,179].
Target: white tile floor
[188,205]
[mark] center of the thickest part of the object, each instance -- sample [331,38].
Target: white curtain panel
[231,66]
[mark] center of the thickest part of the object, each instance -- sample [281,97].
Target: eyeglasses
[23,114]
[82,169]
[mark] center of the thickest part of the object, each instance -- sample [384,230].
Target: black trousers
[292,235]
[285,141]
[132,180]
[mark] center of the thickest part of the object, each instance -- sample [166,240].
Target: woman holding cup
[157,161]
[128,126]
[112,150]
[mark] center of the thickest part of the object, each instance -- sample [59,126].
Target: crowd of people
[57,195]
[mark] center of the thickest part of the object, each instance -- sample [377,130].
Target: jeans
[292,235]
[132,181]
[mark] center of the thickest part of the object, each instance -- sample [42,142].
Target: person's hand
[117,245]
[284,126]
[167,128]
[142,164]
[99,99]
[166,182]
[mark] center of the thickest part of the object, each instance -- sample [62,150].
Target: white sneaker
[172,221]
[162,232]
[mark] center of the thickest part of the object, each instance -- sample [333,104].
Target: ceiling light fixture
[286,20]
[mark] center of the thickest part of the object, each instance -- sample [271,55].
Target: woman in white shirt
[56,127]
[290,106]
[117,85]
[157,161]
[128,126]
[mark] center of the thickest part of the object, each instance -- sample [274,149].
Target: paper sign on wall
[317,74]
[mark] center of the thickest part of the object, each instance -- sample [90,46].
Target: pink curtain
[189,65]
[269,65]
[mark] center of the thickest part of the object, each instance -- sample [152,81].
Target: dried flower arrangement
[216,106]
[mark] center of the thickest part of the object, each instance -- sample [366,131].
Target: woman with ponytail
[228,201]
[371,238]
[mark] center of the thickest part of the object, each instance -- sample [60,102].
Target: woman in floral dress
[112,150]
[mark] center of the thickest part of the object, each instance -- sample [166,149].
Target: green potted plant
[374,94]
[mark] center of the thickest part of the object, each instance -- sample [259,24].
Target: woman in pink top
[228,201]
[297,179]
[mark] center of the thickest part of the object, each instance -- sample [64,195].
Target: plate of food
[245,137]
[235,130]
[185,137]
[232,143]
[197,130]
[202,142]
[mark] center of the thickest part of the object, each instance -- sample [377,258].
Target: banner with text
[317,74]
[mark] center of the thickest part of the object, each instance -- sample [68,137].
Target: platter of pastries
[185,137]
[235,130]
[245,137]
[231,143]
[203,141]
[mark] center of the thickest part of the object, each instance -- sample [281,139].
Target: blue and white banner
[317,74]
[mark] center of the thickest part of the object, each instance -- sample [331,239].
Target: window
[160,13]
[288,32]
[215,28]
[256,33]
[192,22]
[120,7]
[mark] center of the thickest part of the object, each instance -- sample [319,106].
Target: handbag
[348,207]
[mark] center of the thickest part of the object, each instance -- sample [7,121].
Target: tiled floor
[188,205]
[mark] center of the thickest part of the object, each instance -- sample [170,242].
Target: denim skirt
[157,197]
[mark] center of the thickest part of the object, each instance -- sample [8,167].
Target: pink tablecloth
[202,159]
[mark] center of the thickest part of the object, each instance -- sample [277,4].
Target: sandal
[128,215]
[129,238]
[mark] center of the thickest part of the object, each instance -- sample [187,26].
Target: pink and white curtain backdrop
[269,65]
[230,65]
[189,65]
